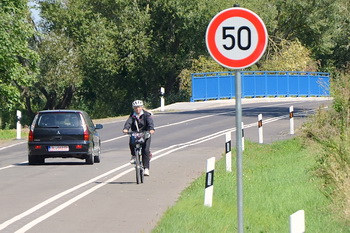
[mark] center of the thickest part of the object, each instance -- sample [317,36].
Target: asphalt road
[65,195]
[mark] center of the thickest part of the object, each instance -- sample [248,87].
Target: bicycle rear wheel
[142,175]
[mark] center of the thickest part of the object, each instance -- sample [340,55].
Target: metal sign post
[239,151]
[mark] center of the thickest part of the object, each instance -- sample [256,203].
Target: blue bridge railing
[221,85]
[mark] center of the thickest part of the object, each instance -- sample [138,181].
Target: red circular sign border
[236,12]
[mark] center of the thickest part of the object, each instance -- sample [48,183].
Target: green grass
[8,134]
[278,181]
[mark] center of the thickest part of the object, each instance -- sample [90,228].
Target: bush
[201,65]
[289,56]
[329,130]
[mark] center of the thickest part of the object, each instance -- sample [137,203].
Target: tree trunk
[67,98]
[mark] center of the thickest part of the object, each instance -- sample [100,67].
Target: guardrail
[221,85]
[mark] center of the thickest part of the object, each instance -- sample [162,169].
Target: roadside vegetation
[329,130]
[279,179]
[9,134]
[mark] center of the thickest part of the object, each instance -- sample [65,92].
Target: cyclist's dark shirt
[145,122]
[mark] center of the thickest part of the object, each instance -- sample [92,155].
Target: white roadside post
[18,126]
[228,152]
[209,182]
[297,222]
[242,136]
[291,119]
[162,102]
[260,126]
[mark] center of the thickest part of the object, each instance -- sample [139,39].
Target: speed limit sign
[236,38]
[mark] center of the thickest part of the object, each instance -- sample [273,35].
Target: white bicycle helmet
[137,103]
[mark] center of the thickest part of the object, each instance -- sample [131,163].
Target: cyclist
[140,120]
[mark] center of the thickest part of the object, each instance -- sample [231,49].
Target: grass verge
[279,180]
[9,134]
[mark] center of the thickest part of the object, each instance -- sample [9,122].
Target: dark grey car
[63,134]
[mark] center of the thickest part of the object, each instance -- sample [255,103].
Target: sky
[35,11]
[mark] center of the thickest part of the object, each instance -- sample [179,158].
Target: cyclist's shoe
[132,160]
[146,172]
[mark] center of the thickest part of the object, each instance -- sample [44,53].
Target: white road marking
[6,167]
[58,196]
[16,144]
[170,149]
[13,165]
[71,201]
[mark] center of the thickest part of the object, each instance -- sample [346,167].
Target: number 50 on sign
[236,38]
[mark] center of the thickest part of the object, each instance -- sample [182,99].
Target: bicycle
[137,139]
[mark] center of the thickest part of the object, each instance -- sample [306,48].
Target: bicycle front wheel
[138,173]
[142,175]
[138,168]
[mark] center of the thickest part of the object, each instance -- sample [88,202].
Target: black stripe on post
[227,146]
[242,132]
[291,114]
[260,123]
[209,179]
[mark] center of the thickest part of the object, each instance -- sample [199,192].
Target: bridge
[221,85]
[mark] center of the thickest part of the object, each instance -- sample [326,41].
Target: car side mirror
[99,126]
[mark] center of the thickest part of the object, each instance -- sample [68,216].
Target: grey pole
[239,150]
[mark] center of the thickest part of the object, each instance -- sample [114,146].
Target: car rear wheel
[90,159]
[35,160]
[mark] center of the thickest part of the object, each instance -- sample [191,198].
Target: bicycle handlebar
[145,134]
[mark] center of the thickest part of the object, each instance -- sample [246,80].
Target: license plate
[58,148]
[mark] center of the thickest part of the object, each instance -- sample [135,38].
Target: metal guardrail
[221,85]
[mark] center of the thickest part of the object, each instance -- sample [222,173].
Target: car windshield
[58,120]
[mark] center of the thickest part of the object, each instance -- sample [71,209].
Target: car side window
[34,121]
[88,120]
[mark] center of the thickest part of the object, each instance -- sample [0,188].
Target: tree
[341,52]
[18,62]
[60,73]
[313,23]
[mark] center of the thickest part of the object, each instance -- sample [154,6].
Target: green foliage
[290,56]
[177,28]
[60,73]
[10,134]
[312,22]
[341,51]
[126,49]
[330,131]
[140,47]
[201,65]
[18,62]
